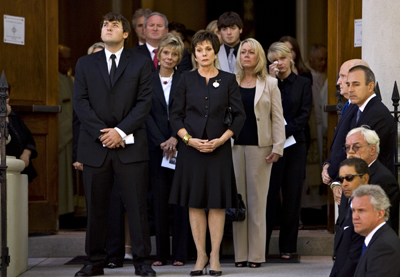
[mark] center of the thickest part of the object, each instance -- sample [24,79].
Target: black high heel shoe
[215,272]
[200,272]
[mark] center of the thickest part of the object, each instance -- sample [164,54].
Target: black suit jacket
[380,175]
[184,65]
[337,154]
[348,244]
[158,127]
[200,108]
[124,104]
[382,256]
[296,103]
[378,117]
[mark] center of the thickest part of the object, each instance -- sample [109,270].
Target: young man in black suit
[381,250]
[347,247]
[372,112]
[364,143]
[112,98]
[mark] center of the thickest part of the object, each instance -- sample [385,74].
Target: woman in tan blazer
[259,144]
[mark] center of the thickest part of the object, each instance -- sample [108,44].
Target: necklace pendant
[165,82]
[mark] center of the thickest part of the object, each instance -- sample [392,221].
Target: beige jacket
[269,115]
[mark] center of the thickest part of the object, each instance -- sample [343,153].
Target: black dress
[205,180]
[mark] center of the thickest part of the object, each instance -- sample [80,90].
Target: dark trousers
[131,180]
[160,182]
[287,175]
[115,243]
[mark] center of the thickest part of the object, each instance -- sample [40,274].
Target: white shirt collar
[370,235]
[117,54]
[366,102]
[371,163]
[151,48]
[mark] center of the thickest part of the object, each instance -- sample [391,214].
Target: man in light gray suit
[230,26]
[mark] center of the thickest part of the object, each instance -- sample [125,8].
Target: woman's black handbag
[236,214]
[228,116]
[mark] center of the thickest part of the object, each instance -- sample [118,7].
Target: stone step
[72,243]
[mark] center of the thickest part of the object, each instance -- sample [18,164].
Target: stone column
[17,217]
[380,43]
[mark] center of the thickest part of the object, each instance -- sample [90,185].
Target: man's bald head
[344,71]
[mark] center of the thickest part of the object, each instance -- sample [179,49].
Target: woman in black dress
[288,172]
[204,176]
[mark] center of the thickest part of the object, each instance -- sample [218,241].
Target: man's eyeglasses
[348,178]
[355,148]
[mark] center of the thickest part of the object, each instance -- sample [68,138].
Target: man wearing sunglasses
[348,244]
[364,143]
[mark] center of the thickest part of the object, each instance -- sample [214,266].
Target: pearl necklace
[166,81]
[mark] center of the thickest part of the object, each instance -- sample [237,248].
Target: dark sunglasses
[348,178]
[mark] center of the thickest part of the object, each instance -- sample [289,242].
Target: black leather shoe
[144,270]
[90,270]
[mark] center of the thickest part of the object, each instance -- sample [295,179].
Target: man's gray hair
[159,14]
[139,13]
[377,198]
[370,136]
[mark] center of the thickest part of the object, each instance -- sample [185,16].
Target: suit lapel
[124,61]
[259,90]
[175,80]
[158,90]
[347,116]
[102,64]
[223,59]
[369,105]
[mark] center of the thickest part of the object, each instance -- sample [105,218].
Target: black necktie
[113,69]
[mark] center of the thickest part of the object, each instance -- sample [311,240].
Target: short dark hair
[177,27]
[228,19]
[204,35]
[111,16]
[369,75]
[360,166]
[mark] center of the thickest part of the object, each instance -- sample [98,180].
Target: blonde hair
[212,26]
[261,68]
[174,42]
[94,46]
[282,50]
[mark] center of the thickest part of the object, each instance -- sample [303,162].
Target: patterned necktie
[359,112]
[363,249]
[231,60]
[155,59]
[345,107]
[113,68]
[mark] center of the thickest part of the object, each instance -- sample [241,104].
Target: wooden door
[31,71]
[341,16]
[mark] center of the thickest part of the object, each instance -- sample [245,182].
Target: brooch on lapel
[216,84]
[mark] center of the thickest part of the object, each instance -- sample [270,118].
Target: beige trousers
[252,179]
